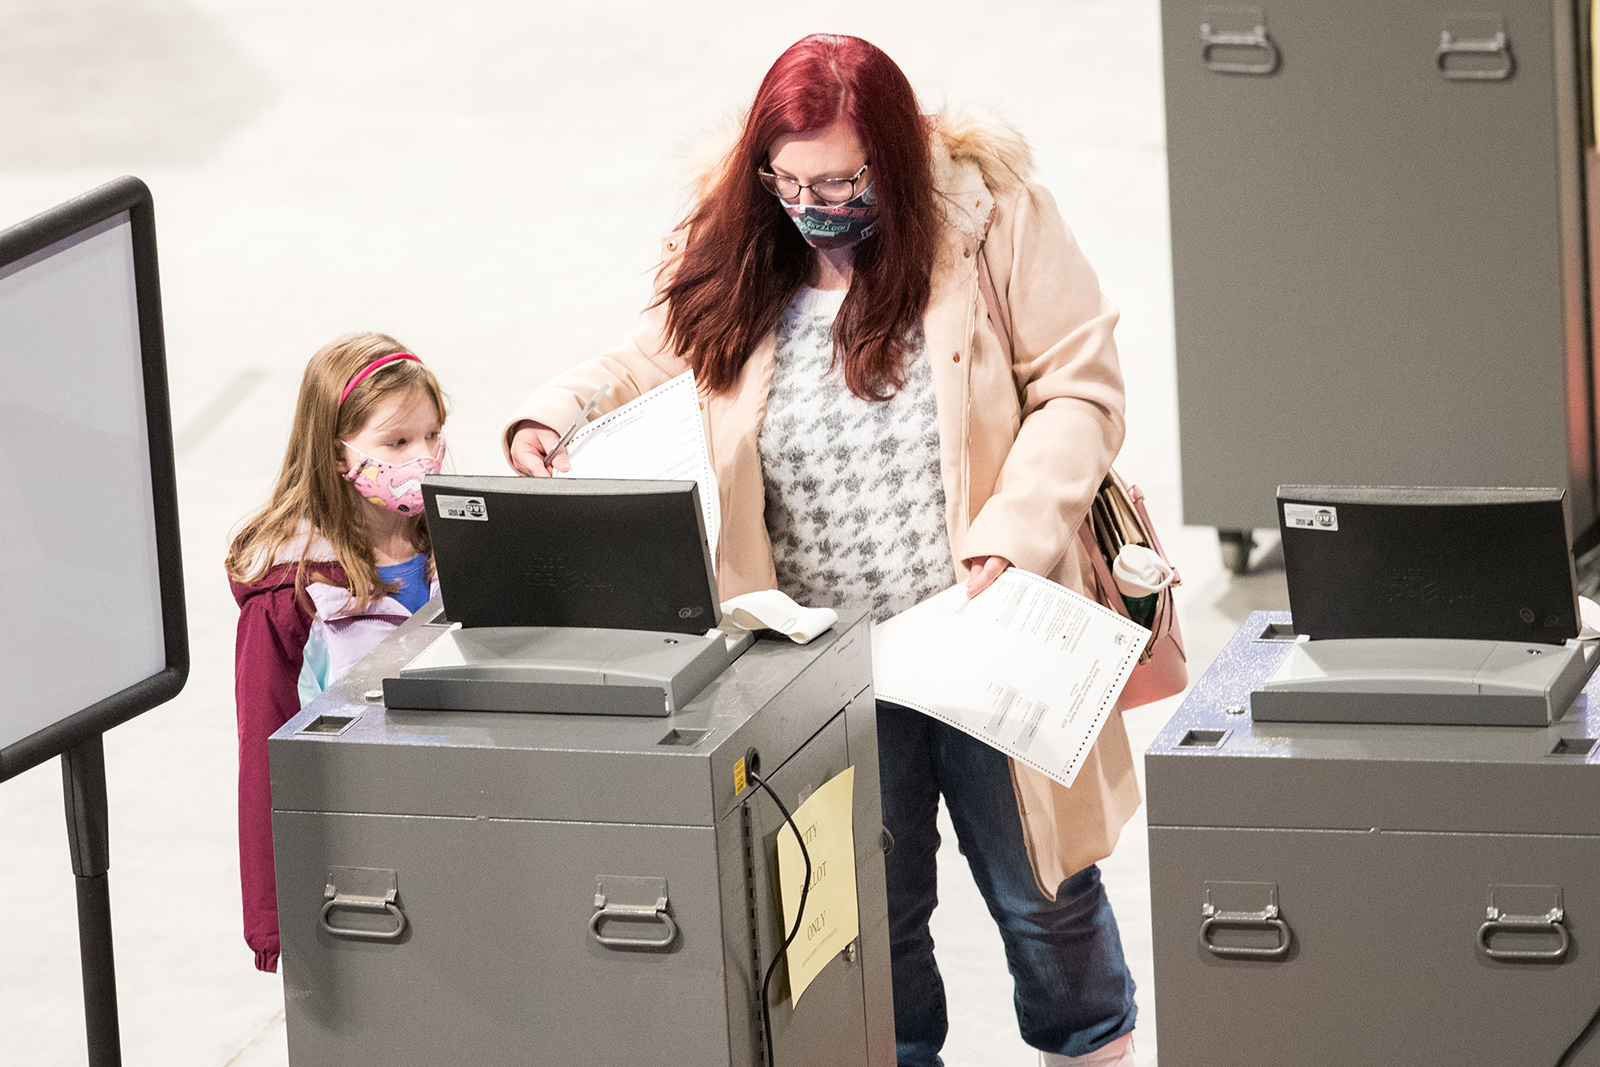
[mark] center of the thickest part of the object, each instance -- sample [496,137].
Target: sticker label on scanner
[1306,517]
[462,507]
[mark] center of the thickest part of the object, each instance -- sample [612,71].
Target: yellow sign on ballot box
[825,823]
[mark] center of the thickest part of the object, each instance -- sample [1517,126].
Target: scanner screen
[77,523]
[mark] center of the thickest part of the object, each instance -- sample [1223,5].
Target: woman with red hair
[880,429]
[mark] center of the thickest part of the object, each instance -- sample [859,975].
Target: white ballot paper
[657,435]
[1027,666]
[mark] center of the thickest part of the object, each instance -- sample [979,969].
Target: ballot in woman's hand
[530,451]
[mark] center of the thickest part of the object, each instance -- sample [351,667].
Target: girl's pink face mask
[396,486]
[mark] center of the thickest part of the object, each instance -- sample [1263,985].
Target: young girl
[336,560]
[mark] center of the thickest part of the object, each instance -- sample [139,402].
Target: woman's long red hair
[744,259]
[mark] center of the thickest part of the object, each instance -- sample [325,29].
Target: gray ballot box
[1335,893]
[495,888]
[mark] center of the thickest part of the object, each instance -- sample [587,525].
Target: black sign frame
[130,195]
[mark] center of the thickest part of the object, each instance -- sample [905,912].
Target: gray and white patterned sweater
[855,504]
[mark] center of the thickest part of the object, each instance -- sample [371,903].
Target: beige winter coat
[1025,439]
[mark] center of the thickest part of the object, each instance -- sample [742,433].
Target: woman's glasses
[829,190]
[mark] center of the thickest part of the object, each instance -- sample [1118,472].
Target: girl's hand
[982,571]
[530,447]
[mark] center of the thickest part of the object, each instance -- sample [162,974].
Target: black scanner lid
[602,552]
[1388,561]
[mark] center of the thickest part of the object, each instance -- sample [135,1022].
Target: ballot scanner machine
[1427,605]
[1324,894]
[562,886]
[1385,860]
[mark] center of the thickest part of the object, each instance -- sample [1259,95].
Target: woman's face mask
[396,486]
[831,226]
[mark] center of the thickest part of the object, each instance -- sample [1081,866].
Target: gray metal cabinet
[1321,894]
[498,913]
[1379,265]
[498,889]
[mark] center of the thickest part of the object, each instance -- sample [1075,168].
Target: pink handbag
[1163,668]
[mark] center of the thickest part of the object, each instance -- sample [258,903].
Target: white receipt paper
[1588,612]
[1027,666]
[773,609]
[657,435]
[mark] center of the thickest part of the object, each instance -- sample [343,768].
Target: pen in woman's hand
[564,439]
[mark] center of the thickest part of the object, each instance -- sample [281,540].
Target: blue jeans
[1073,990]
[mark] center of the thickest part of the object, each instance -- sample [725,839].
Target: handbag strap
[998,317]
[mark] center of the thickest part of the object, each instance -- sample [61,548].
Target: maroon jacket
[274,625]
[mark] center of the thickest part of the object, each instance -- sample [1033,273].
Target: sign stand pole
[83,780]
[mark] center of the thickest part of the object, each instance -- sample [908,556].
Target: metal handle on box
[1516,924]
[623,911]
[1266,919]
[1256,38]
[367,890]
[607,908]
[364,935]
[1498,45]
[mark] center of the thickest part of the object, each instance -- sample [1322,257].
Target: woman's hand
[530,450]
[982,572]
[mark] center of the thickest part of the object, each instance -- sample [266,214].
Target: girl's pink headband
[375,365]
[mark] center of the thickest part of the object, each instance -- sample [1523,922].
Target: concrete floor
[486,180]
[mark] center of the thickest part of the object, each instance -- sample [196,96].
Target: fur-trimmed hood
[977,155]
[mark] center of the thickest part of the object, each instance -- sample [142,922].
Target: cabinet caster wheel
[1236,546]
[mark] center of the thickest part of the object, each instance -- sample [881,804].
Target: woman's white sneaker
[1118,1053]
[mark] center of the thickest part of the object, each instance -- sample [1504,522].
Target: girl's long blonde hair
[311,496]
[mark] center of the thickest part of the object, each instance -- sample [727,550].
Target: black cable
[799,915]
[1579,1041]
